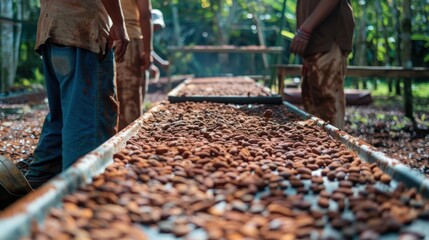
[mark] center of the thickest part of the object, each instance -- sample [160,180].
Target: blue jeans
[83,108]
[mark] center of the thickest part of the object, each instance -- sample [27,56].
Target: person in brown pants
[324,40]
[131,73]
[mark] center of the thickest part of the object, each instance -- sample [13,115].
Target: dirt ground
[386,128]
[392,133]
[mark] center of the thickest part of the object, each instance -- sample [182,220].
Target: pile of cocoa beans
[223,87]
[236,172]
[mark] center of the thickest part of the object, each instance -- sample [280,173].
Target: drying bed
[23,97]
[217,171]
[238,90]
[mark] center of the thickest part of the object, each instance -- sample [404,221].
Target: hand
[165,65]
[299,43]
[147,60]
[119,37]
[153,70]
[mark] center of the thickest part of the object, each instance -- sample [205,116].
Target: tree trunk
[177,29]
[398,44]
[383,32]
[18,33]
[406,56]
[277,59]
[220,33]
[261,37]
[361,44]
[406,35]
[389,60]
[398,31]
[8,63]
[224,24]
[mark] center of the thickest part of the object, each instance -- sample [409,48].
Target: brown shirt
[76,23]
[132,18]
[337,27]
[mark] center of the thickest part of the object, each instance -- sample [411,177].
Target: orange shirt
[75,23]
[132,18]
[338,27]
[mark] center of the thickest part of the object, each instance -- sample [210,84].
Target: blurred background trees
[20,65]
[381,27]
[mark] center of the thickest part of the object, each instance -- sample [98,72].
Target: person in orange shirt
[131,73]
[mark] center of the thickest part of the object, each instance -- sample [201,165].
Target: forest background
[388,33]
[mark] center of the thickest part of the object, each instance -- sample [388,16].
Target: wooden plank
[391,72]
[360,71]
[287,70]
[408,74]
[225,49]
[217,49]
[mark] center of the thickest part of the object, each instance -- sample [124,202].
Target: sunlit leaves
[287,34]
[205,3]
[421,37]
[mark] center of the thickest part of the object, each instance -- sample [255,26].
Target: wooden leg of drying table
[280,83]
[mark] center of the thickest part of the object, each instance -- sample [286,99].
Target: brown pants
[131,81]
[323,85]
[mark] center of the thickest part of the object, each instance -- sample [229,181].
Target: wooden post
[389,84]
[277,59]
[281,78]
[170,70]
[398,87]
[408,98]
[406,58]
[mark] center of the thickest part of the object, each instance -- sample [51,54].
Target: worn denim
[83,108]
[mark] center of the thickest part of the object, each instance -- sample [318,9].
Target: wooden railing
[408,74]
[363,71]
[226,49]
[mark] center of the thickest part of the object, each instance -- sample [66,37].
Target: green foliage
[287,34]
[216,22]
[380,87]
[30,66]
[423,117]
[38,76]
[381,24]
[425,39]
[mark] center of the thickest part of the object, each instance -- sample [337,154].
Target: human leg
[48,156]
[154,71]
[83,109]
[130,85]
[323,85]
[89,104]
